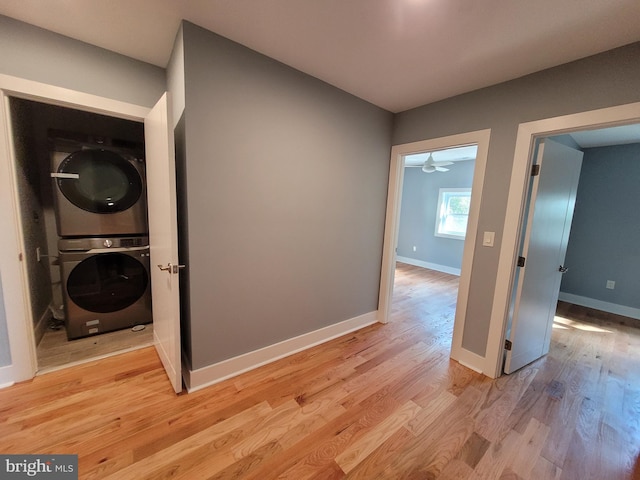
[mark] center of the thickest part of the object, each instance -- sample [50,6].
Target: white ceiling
[455,154]
[605,137]
[397,54]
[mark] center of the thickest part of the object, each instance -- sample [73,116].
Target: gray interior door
[546,233]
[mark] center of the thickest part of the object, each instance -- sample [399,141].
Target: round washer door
[107,282]
[99,181]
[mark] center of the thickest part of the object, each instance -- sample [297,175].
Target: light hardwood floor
[383,403]
[55,351]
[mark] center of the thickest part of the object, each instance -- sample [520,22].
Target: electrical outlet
[611,284]
[415,248]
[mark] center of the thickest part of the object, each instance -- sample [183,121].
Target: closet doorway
[33,124]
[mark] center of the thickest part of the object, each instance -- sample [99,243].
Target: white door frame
[528,133]
[394,197]
[15,286]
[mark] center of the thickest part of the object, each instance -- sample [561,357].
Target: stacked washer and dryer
[101,219]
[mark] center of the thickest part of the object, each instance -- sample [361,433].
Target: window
[453,212]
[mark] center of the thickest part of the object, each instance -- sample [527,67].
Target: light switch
[488,238]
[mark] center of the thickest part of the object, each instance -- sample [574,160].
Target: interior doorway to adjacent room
[451,203]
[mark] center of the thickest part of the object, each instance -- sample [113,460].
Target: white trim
[14,278]
[391,225]
[600,305]
[212,374]
[471,366]
[63,97]
[6,376]
[398,152]
[13,271]
[429,265]
[527,134]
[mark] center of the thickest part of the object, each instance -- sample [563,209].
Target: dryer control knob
[108,243]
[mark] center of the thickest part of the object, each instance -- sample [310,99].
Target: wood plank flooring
[382,403]
[55,351]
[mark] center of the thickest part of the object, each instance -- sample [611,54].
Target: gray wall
[604,80]
[36,54]
[43,56]
[287,179]
[605,233]
[175,77]
[418,213]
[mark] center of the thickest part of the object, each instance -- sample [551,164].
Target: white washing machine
[106,284]
[99,188]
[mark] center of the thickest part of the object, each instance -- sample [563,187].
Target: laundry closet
[82,201]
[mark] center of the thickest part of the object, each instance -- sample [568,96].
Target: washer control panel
[90,243]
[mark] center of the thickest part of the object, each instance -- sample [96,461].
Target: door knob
[165,269]
[563,269]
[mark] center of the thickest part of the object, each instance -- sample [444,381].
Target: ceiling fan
[431,166]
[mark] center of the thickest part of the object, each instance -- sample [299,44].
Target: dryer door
[99,181]
[107,282]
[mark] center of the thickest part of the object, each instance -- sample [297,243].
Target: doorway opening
[434,213]
[435,208]
[579,266]
[451,205]
[18,360]
[528,134]
[51,269]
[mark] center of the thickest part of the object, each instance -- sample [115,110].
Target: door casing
[396,176]
[14,277]
[527,135]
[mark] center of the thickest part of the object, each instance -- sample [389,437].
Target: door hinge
[20,257]
[521,261]
[508,345]
[535,170]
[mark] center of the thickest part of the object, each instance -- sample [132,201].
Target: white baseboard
[6,376]
[600,305]
[429,265]
[470,367]
[212,374]
[468,359]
